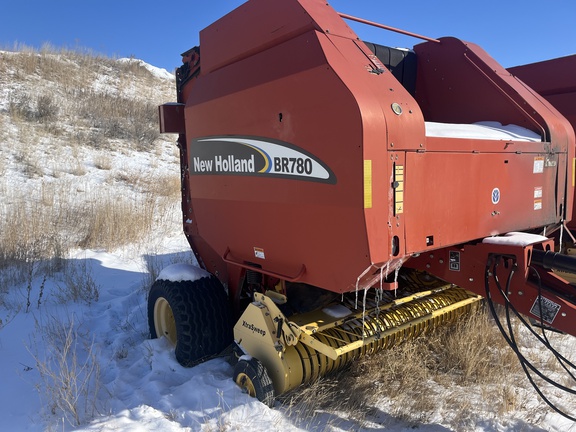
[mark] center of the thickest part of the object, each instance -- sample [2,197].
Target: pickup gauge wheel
[252,378]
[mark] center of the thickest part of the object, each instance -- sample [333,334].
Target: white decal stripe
[283,160]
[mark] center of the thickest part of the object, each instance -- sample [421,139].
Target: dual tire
[193,315]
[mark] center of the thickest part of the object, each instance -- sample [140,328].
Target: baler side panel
[450,187]
[246,213]
[458,197]
[385,134]
[205,255]
[332,100]
[459,83]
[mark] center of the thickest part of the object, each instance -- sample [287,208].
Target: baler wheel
[193,315]
[253,379]
[164,322]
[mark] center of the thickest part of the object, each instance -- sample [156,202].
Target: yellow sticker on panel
[368,184]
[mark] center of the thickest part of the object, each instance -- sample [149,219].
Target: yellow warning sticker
[398,189]
[368,184]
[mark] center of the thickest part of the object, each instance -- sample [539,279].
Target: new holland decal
[252,156]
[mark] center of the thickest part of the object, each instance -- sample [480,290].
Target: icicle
[379,292]
[356,301]
[358,283]
[364,312]
[396,273]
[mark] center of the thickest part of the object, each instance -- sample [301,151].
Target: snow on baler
[343,196]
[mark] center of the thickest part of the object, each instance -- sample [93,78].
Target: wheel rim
[164,322]
[246,384]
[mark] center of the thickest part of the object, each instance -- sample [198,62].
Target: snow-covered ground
[95,353]
[134,383]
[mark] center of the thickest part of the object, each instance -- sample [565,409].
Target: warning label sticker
[538,165]
[545,309]
[538,192]
[259,253]
[538,204]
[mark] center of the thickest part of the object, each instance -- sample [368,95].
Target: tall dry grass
[446,372]
[48,222]
[58,102]
[76,93]
[70,377]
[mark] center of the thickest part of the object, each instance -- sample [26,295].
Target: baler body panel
[292,77]
[313,92]
[495,193]
[287,221]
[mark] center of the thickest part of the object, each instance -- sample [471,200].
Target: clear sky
[514,32]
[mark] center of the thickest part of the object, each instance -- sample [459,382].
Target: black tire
[252,377]
[193,315]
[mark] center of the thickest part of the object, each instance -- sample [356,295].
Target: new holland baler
[342,196]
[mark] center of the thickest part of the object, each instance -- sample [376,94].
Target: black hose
[511,340]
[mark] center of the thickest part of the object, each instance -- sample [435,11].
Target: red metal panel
[459,83]
[565,103]
[384,134]
[261,24]
[555,76]
[293,222]
[328,102]
[453,197]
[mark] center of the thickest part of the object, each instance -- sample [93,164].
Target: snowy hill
[90,214]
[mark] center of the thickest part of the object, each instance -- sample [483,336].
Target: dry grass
[78,284]
[114,221]
[70,66]
[95,96]
[105,221]
[69,371]
[118,117]
[447,370]
[103,161]
[59,216]
[81,99]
